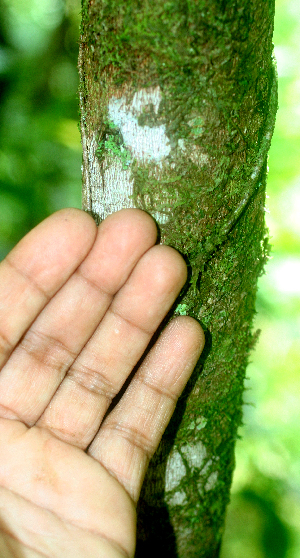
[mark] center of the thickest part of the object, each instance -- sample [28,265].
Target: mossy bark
[178,103]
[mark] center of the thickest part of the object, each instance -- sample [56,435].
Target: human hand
[78,307]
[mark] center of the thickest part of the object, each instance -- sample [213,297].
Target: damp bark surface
[178,102]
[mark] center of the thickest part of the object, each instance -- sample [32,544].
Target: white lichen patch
[146,97]
[200,421]
[198,157]
[108,159]
[196,459]
[109,184]
[195,454]
[211,481]
[161,218]
[177,499]
[208,483]
[175,470]
[107,187]
[144,143]
[182,144]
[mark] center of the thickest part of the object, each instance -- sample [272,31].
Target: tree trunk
[178,102]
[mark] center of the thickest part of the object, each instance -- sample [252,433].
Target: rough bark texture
[178,103]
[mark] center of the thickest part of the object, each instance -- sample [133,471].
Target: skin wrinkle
[61,433]
[4,411]
[134,437]
[163,392]
[9,547]
[115,545]
[79,370]
[135,326]
[45,356]
[75,374]
[6,346]
[11,550]
[93,284]
[28,278]
[135,489]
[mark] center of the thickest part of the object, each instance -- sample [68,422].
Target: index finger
[36,269]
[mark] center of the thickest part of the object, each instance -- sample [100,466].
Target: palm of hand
[78,308]
[59,500]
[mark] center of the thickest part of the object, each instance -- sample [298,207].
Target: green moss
[111,145]
[182,309]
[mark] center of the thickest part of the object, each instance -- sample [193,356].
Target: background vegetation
[40,159]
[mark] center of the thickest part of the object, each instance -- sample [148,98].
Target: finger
[80,403]
[37,267]
[131,433]
[38,365]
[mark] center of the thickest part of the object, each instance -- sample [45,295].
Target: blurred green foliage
[40,158]
[40,152]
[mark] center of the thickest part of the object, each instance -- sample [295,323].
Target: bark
[178,102]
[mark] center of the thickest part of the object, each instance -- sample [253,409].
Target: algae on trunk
[178,102]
